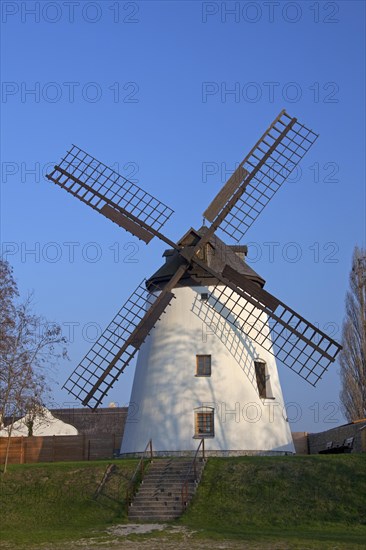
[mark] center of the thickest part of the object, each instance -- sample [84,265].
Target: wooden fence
[59,448]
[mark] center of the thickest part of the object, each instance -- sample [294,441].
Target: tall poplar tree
[352,358]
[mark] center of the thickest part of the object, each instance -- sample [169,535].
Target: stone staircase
[159,497]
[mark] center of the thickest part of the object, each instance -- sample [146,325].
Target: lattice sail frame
[278,329]
[262,173]
[235,208]
[114,349]
[111,194]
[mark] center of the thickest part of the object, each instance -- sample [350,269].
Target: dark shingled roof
[218,254]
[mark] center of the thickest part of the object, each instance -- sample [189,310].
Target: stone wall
[208,453]
[87,421]
[357,429]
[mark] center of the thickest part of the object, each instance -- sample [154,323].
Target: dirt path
[150,537]
[166,537]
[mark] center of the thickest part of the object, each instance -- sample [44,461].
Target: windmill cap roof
[218,255]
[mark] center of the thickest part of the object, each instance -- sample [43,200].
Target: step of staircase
[159,497]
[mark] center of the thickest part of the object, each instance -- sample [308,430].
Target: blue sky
[145,87]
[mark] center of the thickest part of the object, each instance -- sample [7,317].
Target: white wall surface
[166,391]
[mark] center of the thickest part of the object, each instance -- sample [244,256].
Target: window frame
[203,374]
[263,385]
[260,365]
[205,412]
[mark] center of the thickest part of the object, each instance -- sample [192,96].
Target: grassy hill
[320,500]
[319,497]
[53,501]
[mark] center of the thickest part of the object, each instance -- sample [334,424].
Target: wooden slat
[156,312]
[226,192]
[252,288]
[58,448]
[123,221]
[135,339]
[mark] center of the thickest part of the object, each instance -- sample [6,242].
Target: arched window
[204,422]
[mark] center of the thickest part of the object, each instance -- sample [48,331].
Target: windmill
[208,369]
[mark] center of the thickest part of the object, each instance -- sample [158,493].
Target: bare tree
[29,347]
[353,356]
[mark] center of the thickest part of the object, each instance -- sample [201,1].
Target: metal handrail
[111,468]
[192,465]
[131,487]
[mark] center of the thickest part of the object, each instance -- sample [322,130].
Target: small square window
[204,297]
[203,365]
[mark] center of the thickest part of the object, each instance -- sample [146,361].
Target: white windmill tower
[208,368]
[198,376]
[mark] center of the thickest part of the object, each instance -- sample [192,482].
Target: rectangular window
[203,365]
[260,373]
[204,424]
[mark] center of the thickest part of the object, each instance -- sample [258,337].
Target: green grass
[53,501]
[301,498]
[303,502]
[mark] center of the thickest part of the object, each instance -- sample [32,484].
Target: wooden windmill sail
[199,260]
